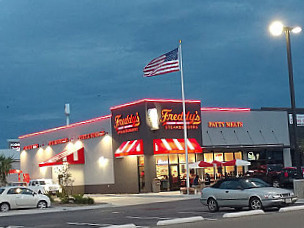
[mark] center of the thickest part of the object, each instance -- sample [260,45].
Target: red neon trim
[66,127]
[153,100]
[226,109]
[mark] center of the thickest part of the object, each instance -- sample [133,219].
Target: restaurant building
[143,141]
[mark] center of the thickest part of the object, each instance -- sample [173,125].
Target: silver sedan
[241,192]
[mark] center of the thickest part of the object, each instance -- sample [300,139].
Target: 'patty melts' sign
[126,124]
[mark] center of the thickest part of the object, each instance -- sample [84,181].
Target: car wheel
[42,204]
[212,205]
[255,204]
[4,207]
[276,184]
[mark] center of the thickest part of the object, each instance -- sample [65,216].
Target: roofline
[153,100]
[217,109]
[65,127]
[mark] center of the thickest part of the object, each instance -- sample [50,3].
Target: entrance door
[174,177]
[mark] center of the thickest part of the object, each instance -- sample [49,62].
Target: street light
[276,29]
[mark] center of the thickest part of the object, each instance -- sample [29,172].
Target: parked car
[245,192]
[269,173]
[44,186]
[21,197]
[24,184]
[287,175]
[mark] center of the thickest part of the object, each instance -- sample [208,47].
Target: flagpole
[184,115]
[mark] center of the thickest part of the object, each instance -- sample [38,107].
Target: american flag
[163,64]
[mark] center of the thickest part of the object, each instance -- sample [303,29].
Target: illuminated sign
[30,147]
[14,146]
[225,124]
[128,124]
[174,121]
[92,135]
[58,141]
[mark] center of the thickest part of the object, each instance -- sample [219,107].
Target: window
[26,191]
[14,191]
[233,184]
[1,190]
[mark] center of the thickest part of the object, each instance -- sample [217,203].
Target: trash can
[156,185]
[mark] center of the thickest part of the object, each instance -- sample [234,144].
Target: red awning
[205,164]
[217,163]
[134,147]
[71,157]
[175,146]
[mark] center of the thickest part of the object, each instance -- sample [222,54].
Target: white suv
[48,185]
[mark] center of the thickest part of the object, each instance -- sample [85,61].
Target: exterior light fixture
[153,118]
[276,29]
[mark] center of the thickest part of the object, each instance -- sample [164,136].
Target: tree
[65,180]
[5,166]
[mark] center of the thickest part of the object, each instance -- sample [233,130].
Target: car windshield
[1,190]
[254,183]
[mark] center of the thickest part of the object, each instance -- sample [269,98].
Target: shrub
[80,199]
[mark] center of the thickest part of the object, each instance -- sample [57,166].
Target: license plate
[287,200]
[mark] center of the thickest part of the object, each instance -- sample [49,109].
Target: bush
[80,199]
[64,199]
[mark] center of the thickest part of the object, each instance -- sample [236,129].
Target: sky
[91,53]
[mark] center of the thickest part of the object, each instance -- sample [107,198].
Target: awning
[134,147]
[236,162]
[175,146]
[70,157]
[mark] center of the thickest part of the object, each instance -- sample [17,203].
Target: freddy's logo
[127,124]
[169,117]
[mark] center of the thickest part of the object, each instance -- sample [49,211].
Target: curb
[131,225]
[52,210]
[292,208]
[180,220]
[243,213]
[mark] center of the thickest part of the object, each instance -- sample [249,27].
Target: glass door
[174,177]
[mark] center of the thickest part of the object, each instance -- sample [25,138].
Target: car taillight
[285,174]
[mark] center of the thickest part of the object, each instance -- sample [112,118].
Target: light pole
[276,29]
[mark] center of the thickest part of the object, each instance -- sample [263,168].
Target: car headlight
[269,196]
[292,194]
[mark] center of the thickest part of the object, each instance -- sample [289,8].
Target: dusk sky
[91,53]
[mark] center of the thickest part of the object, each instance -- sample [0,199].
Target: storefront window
[238,155]
[141,161]
[191,158]
[182,158]
[218,156]
[173,159]
[161,159]
[208,157]
[162,172]
[228,156]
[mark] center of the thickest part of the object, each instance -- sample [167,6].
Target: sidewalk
[117,200]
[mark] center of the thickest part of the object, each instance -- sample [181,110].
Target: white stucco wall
[98,167]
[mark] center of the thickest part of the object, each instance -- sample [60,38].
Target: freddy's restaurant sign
[126,124]
[173,121]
